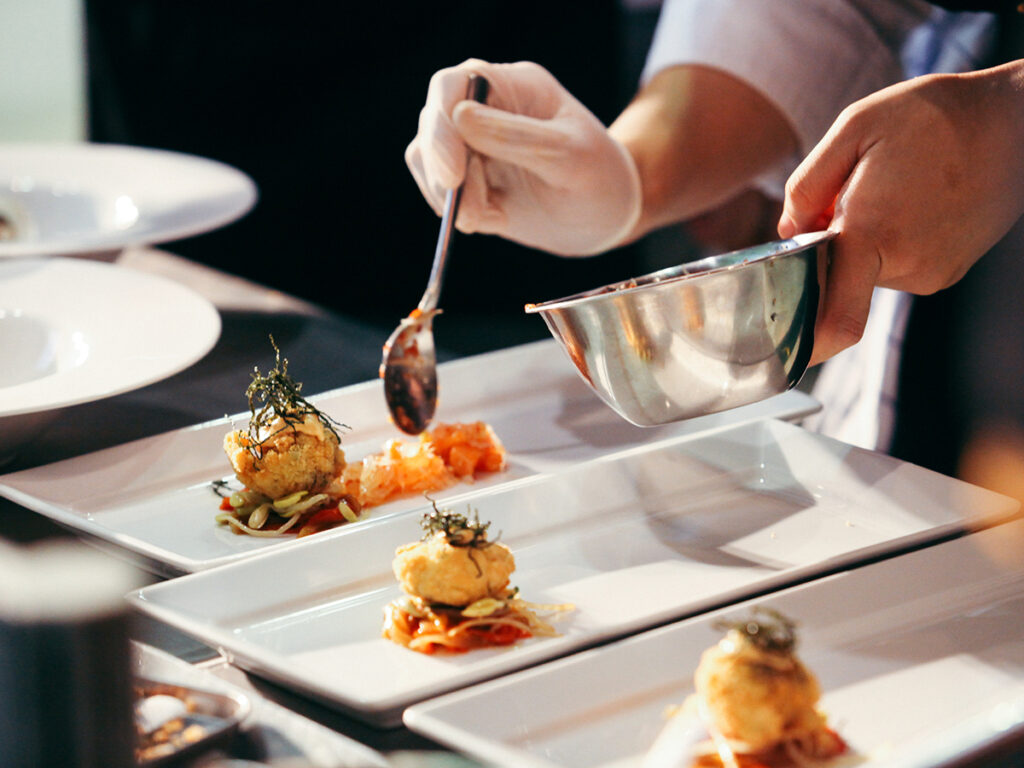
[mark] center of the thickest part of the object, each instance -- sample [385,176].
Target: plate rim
[207,327]
[245,190]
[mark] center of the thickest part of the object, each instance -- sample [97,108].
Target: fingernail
[467,107]
[787,227]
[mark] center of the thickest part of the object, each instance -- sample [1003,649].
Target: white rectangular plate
[152,497]
[920,658]
[632,540]
[283,735]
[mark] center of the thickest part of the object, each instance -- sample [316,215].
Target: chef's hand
[544,172]
[925,177]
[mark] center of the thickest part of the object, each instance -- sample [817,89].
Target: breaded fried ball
[438,572]
[301,457]
[756,696]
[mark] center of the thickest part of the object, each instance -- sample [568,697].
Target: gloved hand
[544,172]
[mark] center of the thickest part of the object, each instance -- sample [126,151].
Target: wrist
[632,203]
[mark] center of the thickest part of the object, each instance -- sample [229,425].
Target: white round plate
[76,330]
[84,198]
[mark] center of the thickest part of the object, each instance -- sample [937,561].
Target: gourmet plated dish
[294,475]
[457,594]
[757,700]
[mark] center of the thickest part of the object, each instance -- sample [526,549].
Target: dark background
[317,101]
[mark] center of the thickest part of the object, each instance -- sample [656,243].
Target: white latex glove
[544,172]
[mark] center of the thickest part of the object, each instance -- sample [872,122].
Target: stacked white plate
[87,198]
[76,330]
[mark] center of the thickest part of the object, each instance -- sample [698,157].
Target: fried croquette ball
[438,572]
[756,696]
[305,456]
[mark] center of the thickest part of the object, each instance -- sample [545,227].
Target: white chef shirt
[811,58]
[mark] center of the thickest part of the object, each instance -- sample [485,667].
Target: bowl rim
[710,265]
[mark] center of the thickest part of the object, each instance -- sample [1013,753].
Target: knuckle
[439,77]
[472,66]
[412,155]
[848,115]
[887,239]
[472,63]
[796,191]
[927,284]
[529,66]
[847,329]
[450,76]
[426,117]
[854,116]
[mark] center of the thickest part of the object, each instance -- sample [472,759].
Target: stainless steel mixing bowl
[698,338]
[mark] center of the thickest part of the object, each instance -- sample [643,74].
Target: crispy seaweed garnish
[277,395]
[458,529]
[766,628]
[220,487]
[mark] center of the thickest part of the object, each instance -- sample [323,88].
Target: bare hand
[924,176]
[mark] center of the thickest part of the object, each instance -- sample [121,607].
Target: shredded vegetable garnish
[489,622]
[252,513]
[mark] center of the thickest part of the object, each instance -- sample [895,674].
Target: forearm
[745,86]
[699,136]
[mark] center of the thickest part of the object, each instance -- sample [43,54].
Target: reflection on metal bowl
[698,338]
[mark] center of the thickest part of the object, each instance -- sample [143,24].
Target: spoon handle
[476,90]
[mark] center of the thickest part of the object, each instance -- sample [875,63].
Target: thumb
[812,189]
[540,146]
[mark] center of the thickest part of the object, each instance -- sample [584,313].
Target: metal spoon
[409,364]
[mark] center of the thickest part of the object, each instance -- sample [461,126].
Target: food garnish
[438,459]
[766,628]
[457,528]
[457,593]
[277,397]
[294,475]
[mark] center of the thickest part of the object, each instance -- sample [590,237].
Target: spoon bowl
[409,371]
